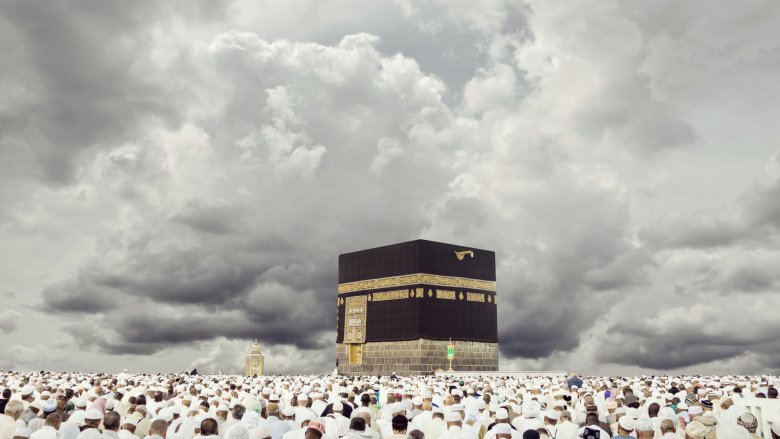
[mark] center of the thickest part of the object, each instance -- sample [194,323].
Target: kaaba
[401,305]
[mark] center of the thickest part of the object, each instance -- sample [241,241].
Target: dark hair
[400,423]
[238,411]
[208,427]
[111,421]
[415,434]
[365,399]
[358,424]
[653,408]
[6,393]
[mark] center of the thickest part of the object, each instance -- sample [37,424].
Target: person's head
[14,409]
[667,426]
[22,433]
[130,424]
[565,416]
[551,417]
[400,423]
[695,430]
[272,409]
[54,420]
[625,426]
[365,399]
[652,409]
[357,424]
[111,421]
[774,428]
[772,393]
[315,429]
[208,427]
[62,401]
[6,393]
[644,428]
[531,434]
[592,418]
[158,427]
[238,411]
[748,422]
[415,434]
[503,431]
[437,415]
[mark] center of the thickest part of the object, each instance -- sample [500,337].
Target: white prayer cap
[22,432]
[93,415]
[223,408]
[503,428]
[337,406]
[695,410]
[37,404]
[27,391]
[696,430]
[501,414]
[237,432]
[532,410]
[49,406]
[288,411]
[643,424]
[458,408]
[481,405]
[417,400]
[130,420]
[453,416]
[110,404]
[626,423]
[552,414]
[682,406]
[260,432]
[166,414]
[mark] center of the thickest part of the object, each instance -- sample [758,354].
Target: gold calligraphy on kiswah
[475,297]
[415,279]
[391,295]
[445,294]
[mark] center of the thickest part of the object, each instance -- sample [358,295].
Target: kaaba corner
[401,305]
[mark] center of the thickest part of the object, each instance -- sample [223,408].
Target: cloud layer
[192,176]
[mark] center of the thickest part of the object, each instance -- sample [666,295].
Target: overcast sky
[178,177]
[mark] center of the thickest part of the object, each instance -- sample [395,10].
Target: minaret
[254,361]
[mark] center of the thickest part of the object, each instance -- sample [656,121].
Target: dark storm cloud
[87,80]
[757,219]
[231,258]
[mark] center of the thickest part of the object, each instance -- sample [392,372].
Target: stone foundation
[418,357]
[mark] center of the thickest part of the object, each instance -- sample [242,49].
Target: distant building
[254,361]
[408,308]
